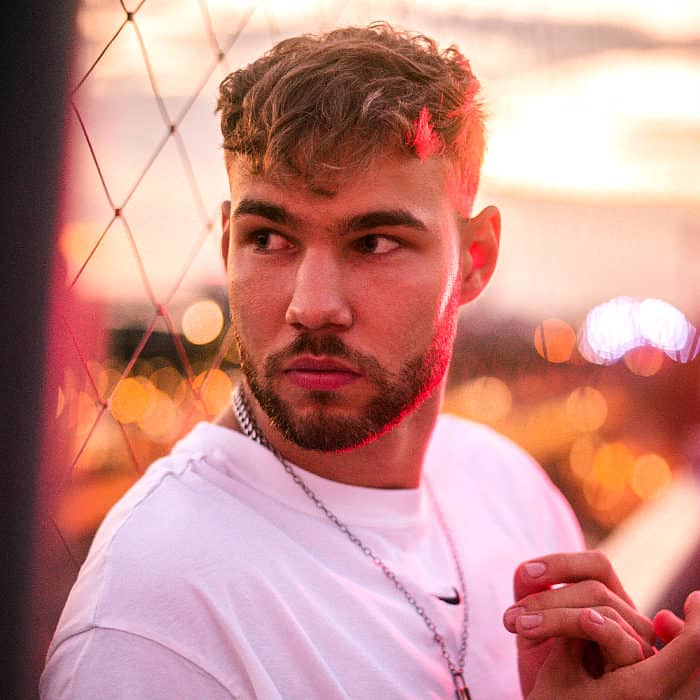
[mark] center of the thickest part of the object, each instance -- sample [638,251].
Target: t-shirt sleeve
[115,665]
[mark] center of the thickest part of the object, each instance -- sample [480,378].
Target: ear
[481,237]
[225,230]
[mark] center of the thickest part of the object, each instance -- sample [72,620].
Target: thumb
[667,626]
[680,658]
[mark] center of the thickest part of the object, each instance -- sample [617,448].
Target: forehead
[390,182]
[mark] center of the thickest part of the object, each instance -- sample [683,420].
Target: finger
[543,573]
[667,625]
[677,664]
[618,647]
[511,616]
[588,594]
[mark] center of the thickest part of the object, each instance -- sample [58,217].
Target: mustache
[326,345]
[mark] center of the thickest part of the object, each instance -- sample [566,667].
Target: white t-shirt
[216,577]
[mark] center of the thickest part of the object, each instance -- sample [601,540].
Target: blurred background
[583,349]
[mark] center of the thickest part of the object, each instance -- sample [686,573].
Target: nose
[318,299]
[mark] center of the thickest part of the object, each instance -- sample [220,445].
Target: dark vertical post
[37,45]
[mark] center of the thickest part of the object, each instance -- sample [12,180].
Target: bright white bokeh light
[621,324]
[611,329]
[662,324]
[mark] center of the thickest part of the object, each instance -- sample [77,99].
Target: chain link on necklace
[251,430]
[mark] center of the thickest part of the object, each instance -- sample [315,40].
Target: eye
[267,241]
[375,244]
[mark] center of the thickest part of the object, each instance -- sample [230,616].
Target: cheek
[257,301]
[404,309]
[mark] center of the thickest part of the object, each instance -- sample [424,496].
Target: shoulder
[158,560]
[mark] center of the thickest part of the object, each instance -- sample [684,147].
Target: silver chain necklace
[251,430]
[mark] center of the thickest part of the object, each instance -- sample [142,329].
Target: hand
[671,674]
[591,606]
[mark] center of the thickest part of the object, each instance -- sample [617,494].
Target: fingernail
[512,614]
[535,569]
[596,617]
[528,622]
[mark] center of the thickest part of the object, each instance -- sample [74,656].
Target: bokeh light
[662,324]
[160,419]
[555,340]
[586,409]
[215,388]
[610,330]
[644,361]
[484,399]
[651,475]
[605,487]
[690,350]
[613,465]
[130,400]
[613,329]
[202,322]
[581,456]
[166,379]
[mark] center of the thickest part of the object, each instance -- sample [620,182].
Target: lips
[320,374]
[318,364]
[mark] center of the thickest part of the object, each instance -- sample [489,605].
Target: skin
[585,638]
[385,291]
[671,674]
[313,277]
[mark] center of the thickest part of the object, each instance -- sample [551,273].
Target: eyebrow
[360,222]
[266,210]
[378,219]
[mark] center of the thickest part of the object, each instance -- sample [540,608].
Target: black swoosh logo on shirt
[451,600]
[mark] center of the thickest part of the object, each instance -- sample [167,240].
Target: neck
[393,461]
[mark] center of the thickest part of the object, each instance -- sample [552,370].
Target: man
[331,536]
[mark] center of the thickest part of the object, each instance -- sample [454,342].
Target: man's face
[344,303]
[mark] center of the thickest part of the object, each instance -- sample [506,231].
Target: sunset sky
[593,157]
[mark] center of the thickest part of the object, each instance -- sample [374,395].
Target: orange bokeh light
[555,340]
[215,390]
[652,474]
[160,419]
[586,409]
[484,399]
[613,465]
[581,456]
[605,487]
[129,400]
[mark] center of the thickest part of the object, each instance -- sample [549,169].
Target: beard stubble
[394,396]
